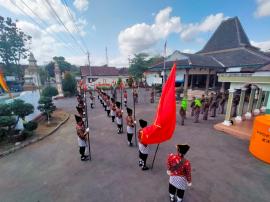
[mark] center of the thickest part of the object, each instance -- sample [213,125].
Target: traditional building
[228,50]
[103,75]
[31,75]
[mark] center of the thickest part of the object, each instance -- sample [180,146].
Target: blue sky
[131,26]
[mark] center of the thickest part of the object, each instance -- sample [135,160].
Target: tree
[130,81]
[139,65]
[21,109]
[43,75]
[119,81]
[46,106]
[49,91]
[13,43]
[69,84]
[63,65]
[49,68]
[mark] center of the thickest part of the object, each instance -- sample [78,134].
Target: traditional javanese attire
[113,109]
[130,126]
[125,98]
[82,139]
[119,119]
[179,170]
[143,148]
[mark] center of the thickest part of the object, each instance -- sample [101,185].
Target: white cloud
[143,36]
[81,5]
[94,27]
[42,9]
[43,46]
[263,8]
[210,23]
[263,45]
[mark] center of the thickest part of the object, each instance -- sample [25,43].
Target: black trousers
[82,151]
[120,128]
[108,112]
[173,190]
[129,136]
[92,106]
[113,117]
[143,157]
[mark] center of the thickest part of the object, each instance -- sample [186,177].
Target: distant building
[228,50]
[31,75]
[103,75]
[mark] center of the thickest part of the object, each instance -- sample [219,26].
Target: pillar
[222,89]
[259,102]
[268,105]
[229,108]
[250,102]
[191,82]
[186,83]
[214,81]
[58,79]
[207,82]
[266,96]
[238,118]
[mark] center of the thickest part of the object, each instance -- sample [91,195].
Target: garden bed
[42,131]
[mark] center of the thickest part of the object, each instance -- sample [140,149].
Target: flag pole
[163,83]
[134,117]
[152,166]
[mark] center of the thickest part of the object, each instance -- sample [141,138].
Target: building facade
[228,50]
[103,75]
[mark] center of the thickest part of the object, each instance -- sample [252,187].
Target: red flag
[163,127]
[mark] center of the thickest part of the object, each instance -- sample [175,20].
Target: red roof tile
[102,71]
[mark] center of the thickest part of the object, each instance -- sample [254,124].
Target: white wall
[31,97]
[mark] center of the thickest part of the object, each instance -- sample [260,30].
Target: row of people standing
[178,168]
[203,106]
[116,110]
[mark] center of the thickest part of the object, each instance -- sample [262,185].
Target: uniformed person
[82,137]
[182,110]
[197,109]
[130,126]
[113,109]
[119,117]
[143,148]
[125,98]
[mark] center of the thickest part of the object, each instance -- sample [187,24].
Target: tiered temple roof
[228,47]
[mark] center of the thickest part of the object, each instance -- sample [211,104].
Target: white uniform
[130,130]
[119,121]
[143,149]
[81,142]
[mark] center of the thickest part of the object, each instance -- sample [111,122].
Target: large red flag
[163,127]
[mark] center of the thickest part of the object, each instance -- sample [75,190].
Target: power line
[74,22]
[34,21]
[59,20]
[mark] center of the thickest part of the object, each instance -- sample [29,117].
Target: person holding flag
[179,170]
[82,137]
[165,120]
[130,126]
[143,148]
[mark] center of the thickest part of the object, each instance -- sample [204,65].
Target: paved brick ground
[223,169]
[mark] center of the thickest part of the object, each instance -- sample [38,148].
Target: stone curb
[9,151]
